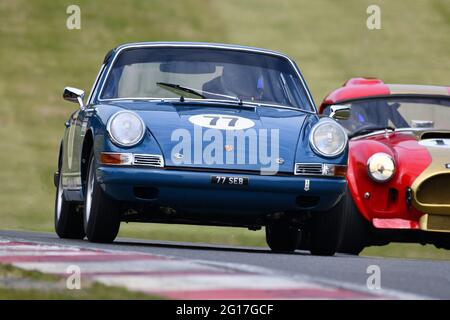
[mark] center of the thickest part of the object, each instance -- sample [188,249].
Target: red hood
[387,200]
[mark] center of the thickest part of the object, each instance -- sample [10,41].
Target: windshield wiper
[183,92]
[365,130]
[186,92]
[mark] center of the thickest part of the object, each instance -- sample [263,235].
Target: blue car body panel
[193,190]
[188,188]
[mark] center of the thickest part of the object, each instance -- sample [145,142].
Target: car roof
[360,88]
[194,45]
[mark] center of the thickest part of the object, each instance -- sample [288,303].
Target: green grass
[328,39]
[409,251]
[36,285]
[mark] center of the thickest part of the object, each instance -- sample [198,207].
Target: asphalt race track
[192,270]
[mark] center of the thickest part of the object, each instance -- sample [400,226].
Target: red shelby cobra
[399,163]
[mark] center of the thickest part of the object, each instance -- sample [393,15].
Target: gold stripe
[435,223]
[423,222]
[439,158]
[418,89]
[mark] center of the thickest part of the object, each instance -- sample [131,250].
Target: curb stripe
[242,294]
[173,278]
[77,258]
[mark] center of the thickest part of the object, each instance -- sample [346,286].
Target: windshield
[398,113]
[215,73]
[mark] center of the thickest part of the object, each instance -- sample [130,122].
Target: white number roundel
[221,121]
[437,143]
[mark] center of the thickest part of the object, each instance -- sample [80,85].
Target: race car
[399,163]
[201,133]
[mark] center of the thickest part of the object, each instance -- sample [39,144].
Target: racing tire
[327,229]
[282,237]
[101,214]
[68,220]
[442,246]
[443,242]
[356,229]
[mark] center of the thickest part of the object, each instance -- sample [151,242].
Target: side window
[296,86]
[111,87]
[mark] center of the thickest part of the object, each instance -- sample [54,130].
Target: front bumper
[180,189]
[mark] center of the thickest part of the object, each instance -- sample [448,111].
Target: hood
[402,145]
[226,137]
[414,152]
[405,145]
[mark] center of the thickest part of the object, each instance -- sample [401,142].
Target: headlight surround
[328,138]
[126,128]
[381,167]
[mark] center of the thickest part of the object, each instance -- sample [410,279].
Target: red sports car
[399,163]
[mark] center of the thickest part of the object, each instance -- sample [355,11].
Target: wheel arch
[88,145]
[59,165]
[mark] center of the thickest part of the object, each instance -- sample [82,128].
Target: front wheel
[326,230]
[68,221]
[282,237]
[443,242]
[356,229]
[101,214]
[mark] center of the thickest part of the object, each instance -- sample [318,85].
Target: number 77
[231,123]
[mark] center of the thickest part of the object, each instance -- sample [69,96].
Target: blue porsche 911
[207,134]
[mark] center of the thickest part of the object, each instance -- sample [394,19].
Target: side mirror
[340,112]
[74,95]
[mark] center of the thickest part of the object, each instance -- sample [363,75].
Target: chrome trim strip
[308,174]
[214,46]
[325,169]
[156,157]
[213,102]
[227,171]
[374,133]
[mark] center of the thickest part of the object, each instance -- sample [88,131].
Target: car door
[76,129]
[71,168]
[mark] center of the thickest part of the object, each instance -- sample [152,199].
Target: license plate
[232,181]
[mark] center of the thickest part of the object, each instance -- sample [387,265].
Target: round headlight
[381,167]
[126,128]
[328,138]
